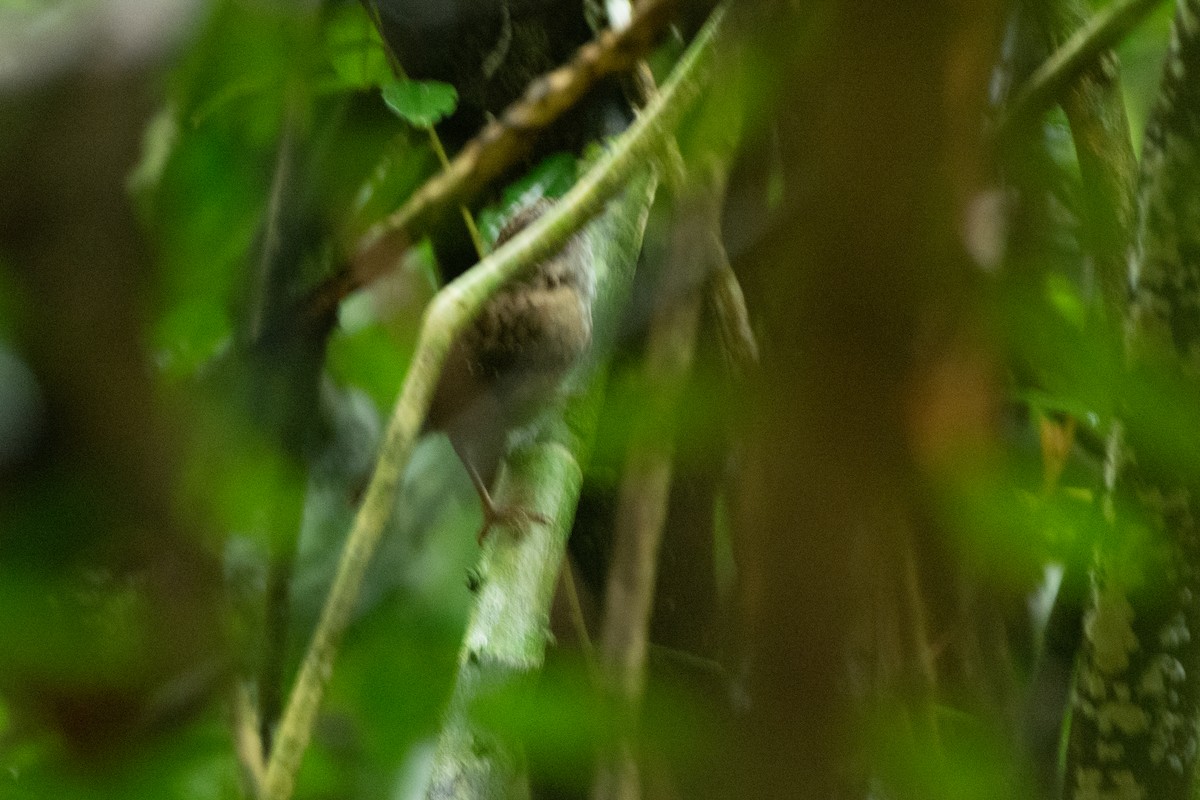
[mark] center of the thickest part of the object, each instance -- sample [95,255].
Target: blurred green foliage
[203,187]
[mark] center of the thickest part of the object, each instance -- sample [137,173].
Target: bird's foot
[512,516]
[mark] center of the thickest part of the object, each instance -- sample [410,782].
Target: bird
[510,363]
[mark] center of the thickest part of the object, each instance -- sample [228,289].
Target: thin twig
[579,623]
[724,292]
[641,516]
[646,483]
[449,313]
[468,220]
[1046,85]
[248,745]
[494,149]
[728,304]
[1095,107]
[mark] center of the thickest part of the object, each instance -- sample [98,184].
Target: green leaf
[551,177]
[420,103]
[354,50]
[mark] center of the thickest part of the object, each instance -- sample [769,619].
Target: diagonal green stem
[449,313]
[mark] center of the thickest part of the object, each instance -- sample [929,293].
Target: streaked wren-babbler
[510,363]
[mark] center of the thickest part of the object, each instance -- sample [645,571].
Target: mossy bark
[1134,731]
[509,627]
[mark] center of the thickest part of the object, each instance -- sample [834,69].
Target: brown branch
[498,146]
[724,292]
[1080,51]
[641,515]
[1095,107]
[646,484]
[247,741]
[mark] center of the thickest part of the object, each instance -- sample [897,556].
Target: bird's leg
[492,513]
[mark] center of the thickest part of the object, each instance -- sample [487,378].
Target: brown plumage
[511,361]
